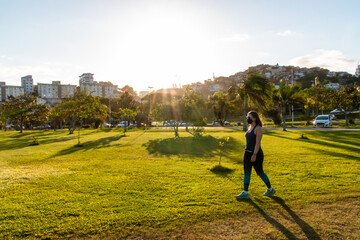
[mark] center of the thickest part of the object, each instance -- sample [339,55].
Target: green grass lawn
[148,185]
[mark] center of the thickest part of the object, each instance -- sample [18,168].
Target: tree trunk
[79,135]
[80,125]
[176,129]
[308,116]
[292,115]
[283,113]
[244,115]
[5,124]
[71,127]
[346,119]
[186,127]
[21,125]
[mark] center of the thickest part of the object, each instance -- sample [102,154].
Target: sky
[156,43]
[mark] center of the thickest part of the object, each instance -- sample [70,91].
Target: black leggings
[258,166]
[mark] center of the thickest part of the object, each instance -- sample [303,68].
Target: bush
[197,131]
[221,169]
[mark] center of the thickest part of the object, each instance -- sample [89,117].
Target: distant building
[143,93]
[214,88]
[86,78]
[357,72]
[27,83]
[67,90]
[97,89]
[55,90]
[7,91]
[332,85]
[299,74]
[342,74]
[331,74]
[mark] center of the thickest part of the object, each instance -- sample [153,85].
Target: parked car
[226,123]
[332,117]
[128,124]
[337,111]
[170,123]
[45,126]
[106,125]
[183,124]
[214,123]
[322,121]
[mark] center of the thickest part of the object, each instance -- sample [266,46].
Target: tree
[39,116]
[221,106]
[255,90]
[172,111]
[126,115]
[55,117]
[344,100]
[129,90]
[308,80]
[309,102]
[22,109]
[194,106]
[81,106]
[127,100]
[287,95]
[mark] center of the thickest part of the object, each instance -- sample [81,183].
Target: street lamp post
[149,106]
[110,111]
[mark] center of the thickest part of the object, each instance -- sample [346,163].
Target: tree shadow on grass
[23,142]
[324,143]
[271,220]
[305,227]
[204,146]
[89,145]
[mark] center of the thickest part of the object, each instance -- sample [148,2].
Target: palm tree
[287,95]
[254,91]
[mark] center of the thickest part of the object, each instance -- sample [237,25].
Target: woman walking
[254,156]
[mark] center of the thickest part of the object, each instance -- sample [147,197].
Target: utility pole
[292,106]
[317,94]
[245,104]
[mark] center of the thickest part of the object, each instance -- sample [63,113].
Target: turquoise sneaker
[243,195]
[270,192]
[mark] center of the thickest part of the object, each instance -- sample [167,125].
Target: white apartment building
[100,89]
[48,90]
[7,91]
[93,89]
[55,90]
[97,89]
[27,83]
[86,78]
[67,90]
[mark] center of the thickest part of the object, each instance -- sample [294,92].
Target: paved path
[278,128]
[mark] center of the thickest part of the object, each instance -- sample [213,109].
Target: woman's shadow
[305,227]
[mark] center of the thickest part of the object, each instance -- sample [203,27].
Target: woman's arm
[258,133]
